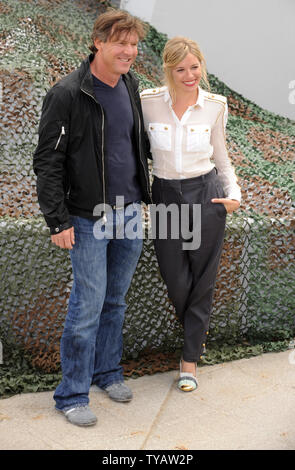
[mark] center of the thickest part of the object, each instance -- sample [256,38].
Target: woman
[186,130]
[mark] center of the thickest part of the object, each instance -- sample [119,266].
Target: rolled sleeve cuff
[235,194]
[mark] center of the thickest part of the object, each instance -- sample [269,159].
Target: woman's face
[187,74]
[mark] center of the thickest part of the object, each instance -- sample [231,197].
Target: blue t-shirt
[119,135]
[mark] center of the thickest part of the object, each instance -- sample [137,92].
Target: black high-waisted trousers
[190,275]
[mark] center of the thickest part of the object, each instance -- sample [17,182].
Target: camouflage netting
[40,42]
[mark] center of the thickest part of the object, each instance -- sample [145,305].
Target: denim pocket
[81,224]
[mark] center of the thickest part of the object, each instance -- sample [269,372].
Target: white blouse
[193,145]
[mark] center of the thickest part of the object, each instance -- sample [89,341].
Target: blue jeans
[91,344]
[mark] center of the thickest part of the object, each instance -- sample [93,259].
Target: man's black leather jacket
[69,161]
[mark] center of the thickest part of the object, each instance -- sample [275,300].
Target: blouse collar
[199,102]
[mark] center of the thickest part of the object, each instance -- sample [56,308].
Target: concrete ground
[240,405]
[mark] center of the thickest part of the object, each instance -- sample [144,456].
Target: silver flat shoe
[187,381]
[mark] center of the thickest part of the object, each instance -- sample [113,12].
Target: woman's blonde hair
[175,50]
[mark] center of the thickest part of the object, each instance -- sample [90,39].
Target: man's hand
[231,205]
[64,239]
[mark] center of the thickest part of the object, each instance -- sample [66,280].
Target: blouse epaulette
[152,92]
[214,97]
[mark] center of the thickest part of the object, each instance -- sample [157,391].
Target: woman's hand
[231,205]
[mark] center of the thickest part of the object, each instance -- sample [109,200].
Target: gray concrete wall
[248,44]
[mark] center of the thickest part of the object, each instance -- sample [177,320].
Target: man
[90,151]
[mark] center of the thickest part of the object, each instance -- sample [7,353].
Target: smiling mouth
[191,83]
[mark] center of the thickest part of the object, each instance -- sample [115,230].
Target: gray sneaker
[81,415]
[119,392]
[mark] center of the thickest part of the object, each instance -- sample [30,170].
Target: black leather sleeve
[49,160]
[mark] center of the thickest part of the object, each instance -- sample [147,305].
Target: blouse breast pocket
[160,136]
[198,138]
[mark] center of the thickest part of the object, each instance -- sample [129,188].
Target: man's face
[116,56]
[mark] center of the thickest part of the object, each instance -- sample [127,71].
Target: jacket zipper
[63,132]
[68,193]
[139,149]
[104,217]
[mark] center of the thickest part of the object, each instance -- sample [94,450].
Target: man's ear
[97,43]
